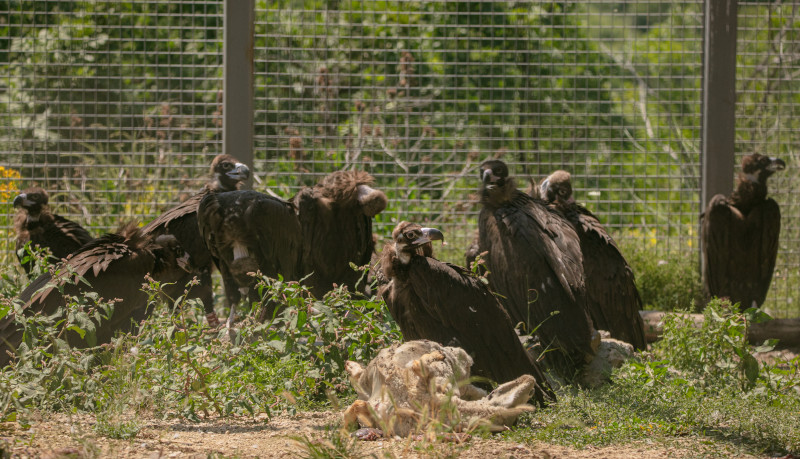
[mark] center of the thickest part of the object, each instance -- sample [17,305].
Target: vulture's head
[757,168]
[496,185]
[33,200]
[412,239]
[557,188]
[170,255]
[229,174]
[354,187]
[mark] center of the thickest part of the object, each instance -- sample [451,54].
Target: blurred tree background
[116,107]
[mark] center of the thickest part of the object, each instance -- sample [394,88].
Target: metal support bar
[237,109]
[719,99]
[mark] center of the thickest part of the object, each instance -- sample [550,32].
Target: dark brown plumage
[441,302]
[535,264]
[336,220]
[611,295]
[248,231]
[36,224]
[115,266]
[315,236]
[227,174]
[740,236]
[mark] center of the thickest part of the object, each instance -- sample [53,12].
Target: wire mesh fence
[116,106]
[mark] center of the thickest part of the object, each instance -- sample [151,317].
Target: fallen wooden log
[786,331]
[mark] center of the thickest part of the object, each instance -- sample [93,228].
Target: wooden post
[719,99]
[237,87]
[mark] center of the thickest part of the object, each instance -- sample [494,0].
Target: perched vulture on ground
[740,236]
[115,266]
[336,220]
[37,225]
[228,174]
[611,295]
[314,236]
[248,231]
[535,265]
[444,303]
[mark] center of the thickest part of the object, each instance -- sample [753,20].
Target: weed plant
[703,382]
[175,366]
[667,280]
[699,382]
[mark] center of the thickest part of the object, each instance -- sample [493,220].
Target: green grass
[697,383]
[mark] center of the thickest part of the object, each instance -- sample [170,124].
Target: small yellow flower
[8,188]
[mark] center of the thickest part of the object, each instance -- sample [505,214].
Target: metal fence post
[719,98]
[237,124]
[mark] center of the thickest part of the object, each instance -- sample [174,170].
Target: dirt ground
[66,436]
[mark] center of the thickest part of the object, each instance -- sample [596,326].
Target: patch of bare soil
[64,436]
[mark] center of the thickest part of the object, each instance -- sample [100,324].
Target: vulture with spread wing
[441,302]
[740,236]
[115,266]
[611,295]
[228,174]
[535,265]
[37,225]
[336,220]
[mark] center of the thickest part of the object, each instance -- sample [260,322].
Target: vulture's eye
[227,166]
[410,236]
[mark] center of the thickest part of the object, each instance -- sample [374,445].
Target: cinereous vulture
[336,219]
[740,236]
[115,266]
[442,302]
[227,174]
[35,223]
[314,236]
[611,295]
[535,265]
[248,231]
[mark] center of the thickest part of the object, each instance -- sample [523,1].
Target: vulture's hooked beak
[21,200]
[428,235]
[489,179]
[240,172]
[776,164]
[183,262]
[543,188]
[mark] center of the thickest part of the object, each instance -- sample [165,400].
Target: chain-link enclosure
[115,107]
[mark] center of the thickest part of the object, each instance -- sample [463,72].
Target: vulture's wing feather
[171,215]
[612,298]
[723,227]
[72,231]
[535,259]
[469,314]
[764,226]
[278,236]
[123,262]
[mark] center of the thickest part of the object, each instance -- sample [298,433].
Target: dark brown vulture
[441,302]
[248,231]
[740,236]
[37,225]
[315,236]
[535,265]
[611,295]
[115,266]
[228,174]
[336,220]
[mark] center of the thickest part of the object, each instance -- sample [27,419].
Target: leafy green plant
[667,280]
